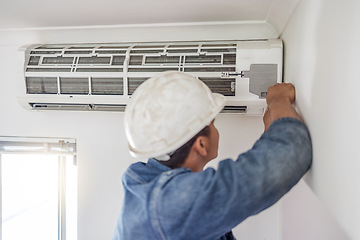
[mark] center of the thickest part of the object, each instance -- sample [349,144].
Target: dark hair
[179,156]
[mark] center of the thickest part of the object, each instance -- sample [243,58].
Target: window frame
[62,147]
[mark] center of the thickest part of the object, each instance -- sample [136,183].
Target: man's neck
[194,162]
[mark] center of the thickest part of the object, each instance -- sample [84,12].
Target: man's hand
[280,98]
[282,91]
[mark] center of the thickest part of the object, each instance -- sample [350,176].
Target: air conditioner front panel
[90,72]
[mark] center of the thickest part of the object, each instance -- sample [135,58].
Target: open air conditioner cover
[103,76]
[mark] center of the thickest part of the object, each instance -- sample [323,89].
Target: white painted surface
[237,135]
[322,59]
[280,13]
[306,217]
[249,30]
[40,13]
[103,155]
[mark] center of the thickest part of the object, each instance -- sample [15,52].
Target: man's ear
[200,145]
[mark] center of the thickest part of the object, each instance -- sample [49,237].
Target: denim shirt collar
[163,168]
[156,164]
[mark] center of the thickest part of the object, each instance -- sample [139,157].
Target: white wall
[306,217]
[102,152]
[322,59]
[237,135]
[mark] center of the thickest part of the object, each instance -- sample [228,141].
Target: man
[170,120]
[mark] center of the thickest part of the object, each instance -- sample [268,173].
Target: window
[38,189]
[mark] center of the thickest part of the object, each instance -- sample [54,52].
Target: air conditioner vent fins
[103,77]
[115,69]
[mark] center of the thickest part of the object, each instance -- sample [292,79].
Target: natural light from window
[31,205]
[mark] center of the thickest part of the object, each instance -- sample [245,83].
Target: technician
[170,121]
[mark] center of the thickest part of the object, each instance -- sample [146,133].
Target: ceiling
[20,14]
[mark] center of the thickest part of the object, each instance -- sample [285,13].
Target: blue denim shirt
[164,203]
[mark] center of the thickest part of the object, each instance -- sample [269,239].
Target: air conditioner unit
[102,77]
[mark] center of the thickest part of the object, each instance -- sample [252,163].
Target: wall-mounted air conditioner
[102,77]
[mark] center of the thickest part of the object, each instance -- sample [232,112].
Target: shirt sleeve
[221,199]
[261,176]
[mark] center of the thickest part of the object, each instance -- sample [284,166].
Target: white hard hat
[166,111]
